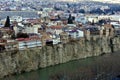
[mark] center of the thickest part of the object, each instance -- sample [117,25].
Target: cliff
[32,59]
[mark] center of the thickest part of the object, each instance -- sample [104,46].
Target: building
[56,29]
[64,37]
[76,34]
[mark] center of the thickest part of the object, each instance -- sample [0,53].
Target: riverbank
[33,59]
[104,67]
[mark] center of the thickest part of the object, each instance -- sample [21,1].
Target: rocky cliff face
[32,59]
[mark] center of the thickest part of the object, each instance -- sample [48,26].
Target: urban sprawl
[51,23]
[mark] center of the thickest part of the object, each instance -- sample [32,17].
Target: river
[24,14]
[104,67]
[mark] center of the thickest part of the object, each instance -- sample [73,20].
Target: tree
[7,23]
[22,35]
[1,34]
[81,11]
[70,19]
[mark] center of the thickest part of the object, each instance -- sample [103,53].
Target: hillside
[108,1]
[105,1]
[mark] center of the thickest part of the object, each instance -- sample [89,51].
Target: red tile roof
[35,21]
[56,27]
[28,39]
[20,39]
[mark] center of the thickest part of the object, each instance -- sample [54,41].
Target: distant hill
[103,1]
[108,1]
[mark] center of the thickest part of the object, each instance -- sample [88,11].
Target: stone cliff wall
[32,59]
